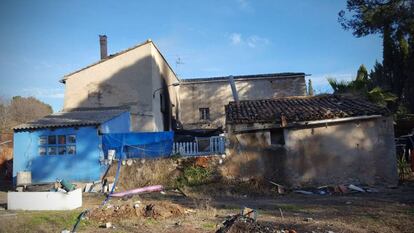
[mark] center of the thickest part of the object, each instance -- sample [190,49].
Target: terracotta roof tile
[243,77]
[299,109]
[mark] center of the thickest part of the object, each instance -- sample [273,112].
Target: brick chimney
[104,47]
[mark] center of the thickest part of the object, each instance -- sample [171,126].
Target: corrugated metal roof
[73,118]
[300,109]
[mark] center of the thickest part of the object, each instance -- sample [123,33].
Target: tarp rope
[83,213]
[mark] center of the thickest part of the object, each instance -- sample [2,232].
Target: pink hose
[147,189]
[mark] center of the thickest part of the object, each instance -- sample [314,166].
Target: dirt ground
[388,210]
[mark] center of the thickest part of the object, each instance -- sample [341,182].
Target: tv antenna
[178,62]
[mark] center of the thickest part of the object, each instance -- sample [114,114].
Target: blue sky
[41,41]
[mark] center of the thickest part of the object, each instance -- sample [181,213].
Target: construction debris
[88,187]
[108,225]
[308,219]
[243,223]
[356,188]
[280,188]
[342,189]
[96,187]
[332,190]
[303,192]
[66,185]
[248,212]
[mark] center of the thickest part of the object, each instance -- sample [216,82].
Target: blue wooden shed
[67,145]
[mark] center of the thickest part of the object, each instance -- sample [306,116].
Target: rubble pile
[243,224]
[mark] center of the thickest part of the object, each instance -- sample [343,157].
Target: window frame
[204,114]
[44,148]
[277,137]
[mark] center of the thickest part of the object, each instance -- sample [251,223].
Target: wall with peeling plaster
[348,152]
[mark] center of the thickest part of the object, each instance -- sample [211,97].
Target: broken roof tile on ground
[299,109]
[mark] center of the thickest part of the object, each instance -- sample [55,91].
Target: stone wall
[216,94]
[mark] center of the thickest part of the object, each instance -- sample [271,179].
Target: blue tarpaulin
[139,145]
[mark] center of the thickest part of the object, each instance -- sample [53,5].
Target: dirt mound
[156,210]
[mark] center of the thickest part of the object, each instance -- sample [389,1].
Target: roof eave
[257,126]
[31,128]
[240,78]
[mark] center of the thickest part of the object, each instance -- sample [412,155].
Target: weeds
[43,221]
[193,176]
[403,168]
[209,226]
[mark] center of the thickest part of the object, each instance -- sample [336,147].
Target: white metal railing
[201,146]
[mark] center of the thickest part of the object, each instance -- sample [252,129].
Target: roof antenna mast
[178,62]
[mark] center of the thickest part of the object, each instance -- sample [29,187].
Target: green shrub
[193,176]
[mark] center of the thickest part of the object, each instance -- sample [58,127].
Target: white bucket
[24,178]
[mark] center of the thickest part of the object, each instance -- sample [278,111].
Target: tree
[363,87]
[310,88]
[394,20]
[4,114]
[362,73]
[377,16]
[20,110]
[339,87]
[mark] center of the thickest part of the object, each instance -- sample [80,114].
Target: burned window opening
[277,137]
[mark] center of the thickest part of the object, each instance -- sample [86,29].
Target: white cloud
[251,41]
[254,40]
[235,38]
[55,93]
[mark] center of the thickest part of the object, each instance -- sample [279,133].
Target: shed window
[71,139]
[71,150]
[51,150]
[42,140]
[42,150]
[62,150]
[57,145]
[51,140]
[204,113]
[62,139]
